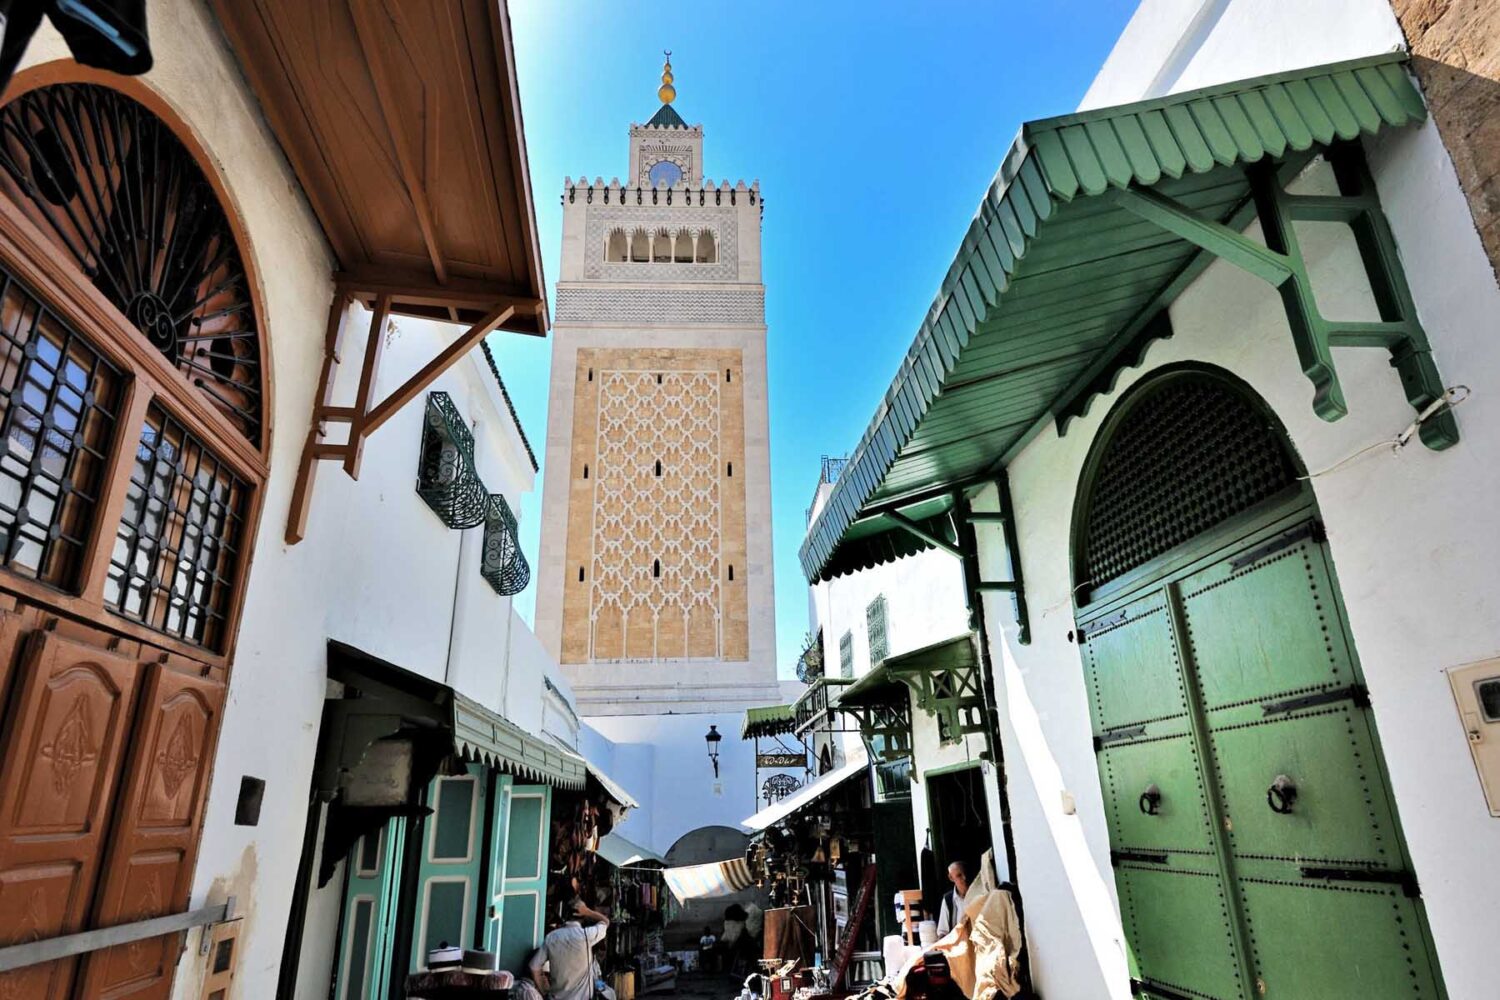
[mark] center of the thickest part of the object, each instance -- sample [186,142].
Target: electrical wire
[1448,400]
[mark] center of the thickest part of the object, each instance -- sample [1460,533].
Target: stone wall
[1455,47]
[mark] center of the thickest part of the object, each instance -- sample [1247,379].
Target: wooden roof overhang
[402,121]
[1093,226]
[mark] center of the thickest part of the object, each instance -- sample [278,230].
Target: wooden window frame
[35,260]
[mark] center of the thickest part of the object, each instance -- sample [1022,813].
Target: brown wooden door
[149,868]
[64,740]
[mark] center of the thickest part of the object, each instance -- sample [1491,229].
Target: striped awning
[767,720]
[718,878]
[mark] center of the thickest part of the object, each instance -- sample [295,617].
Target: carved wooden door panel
[149,866]
[62,751]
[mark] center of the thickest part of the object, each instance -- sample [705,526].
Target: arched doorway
[1255,842]
[132,456]
[702,846]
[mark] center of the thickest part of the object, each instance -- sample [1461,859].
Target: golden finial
[667,93]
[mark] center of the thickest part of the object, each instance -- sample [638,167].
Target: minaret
[655,583]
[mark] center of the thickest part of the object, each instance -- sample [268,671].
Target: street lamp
[712,738]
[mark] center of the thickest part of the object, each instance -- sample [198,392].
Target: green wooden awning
[1058,283]
[482,735]
[768,720]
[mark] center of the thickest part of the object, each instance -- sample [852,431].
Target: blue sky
[874,129]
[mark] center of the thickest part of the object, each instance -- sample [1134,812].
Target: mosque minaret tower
[655,580]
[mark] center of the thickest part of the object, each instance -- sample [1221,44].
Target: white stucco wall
[377,569]
[924,605]
[1413,536]
[662,760]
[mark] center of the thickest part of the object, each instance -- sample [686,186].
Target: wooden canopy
[402,120]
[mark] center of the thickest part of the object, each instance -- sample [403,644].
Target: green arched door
[1256,847]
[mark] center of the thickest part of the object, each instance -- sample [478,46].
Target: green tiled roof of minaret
[666,116]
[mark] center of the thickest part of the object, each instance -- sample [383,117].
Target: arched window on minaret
[661,247]
[640,246]
[617,250]
[682,246]
[708,250]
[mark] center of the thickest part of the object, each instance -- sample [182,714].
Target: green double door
[1254,840]
[481,881]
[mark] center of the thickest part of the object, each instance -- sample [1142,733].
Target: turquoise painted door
[1256,847]
[523,886]
[370,894]
[494,885]
[449,880]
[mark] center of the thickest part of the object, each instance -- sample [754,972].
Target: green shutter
[875,627]
[448,873]
[370,893]
[524,880]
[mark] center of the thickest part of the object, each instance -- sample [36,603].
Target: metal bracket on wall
[1279,262]
[366,415]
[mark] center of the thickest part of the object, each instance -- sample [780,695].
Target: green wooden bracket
[891,722]
[908,525]
[1215,237]
[1280,263]
[1016,585]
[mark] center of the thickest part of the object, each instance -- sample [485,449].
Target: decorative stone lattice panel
[656,508]
[604,219]
[657,503]
[647,306]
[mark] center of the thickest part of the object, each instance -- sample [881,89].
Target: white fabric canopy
[718,878]
[857,761]
[620,852]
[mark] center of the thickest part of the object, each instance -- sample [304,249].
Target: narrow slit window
[656,568]
[658,468]
[729,374]
[658,378]
[591,374]
[731,572]
[585,470]
[580,574]
[731,470]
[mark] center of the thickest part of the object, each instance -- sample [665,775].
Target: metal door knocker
[1281,794]
[1151,800]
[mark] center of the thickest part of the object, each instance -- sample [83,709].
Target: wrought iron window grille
[503,565]
[875,627]
[810,660]
[177,545]
[446,478]
[59,404]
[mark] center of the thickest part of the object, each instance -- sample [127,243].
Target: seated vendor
[952,911]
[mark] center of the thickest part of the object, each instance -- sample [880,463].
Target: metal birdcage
[503,565]
[446,478]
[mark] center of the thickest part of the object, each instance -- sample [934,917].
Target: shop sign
[780,760]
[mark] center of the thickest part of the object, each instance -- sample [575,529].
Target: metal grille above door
[127,201]
[1190,452]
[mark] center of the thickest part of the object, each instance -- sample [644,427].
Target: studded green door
[1256,847]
